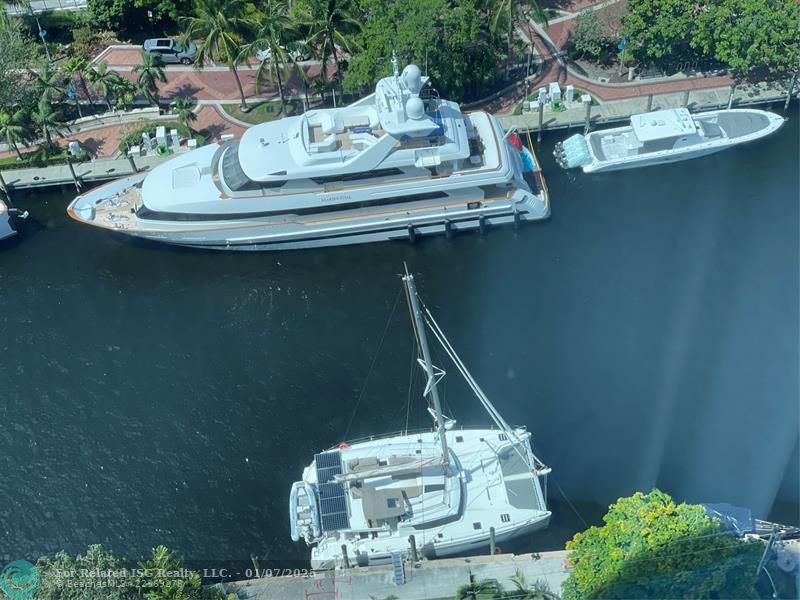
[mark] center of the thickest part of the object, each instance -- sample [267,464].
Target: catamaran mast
[422,338]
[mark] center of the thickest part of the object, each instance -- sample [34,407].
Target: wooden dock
[426,580]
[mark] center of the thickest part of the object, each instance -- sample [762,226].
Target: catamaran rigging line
[428,319]
[445,343]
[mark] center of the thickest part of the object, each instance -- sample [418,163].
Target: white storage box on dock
[555,91]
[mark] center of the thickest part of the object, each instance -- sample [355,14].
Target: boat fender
[448,229]
[412,234]
[516,219]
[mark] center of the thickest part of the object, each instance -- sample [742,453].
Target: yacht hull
[602,167]
[618,149]
[392,222]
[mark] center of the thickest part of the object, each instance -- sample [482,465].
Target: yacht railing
[402,432]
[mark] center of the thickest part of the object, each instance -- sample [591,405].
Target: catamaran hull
[443,550]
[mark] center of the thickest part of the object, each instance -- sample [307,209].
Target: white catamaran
[664,136]
[397,164]
[440,491]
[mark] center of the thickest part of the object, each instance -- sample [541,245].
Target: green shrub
[59,24]
[651,547]
[43,157]
[134,138]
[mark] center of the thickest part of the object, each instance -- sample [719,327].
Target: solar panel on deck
[328,465]
[333,507]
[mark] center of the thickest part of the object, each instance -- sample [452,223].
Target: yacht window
[145,213]
[357,176]
[235,177]
[434,487]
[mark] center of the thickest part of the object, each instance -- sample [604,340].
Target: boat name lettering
[336,198]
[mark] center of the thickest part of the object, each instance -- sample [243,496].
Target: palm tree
[273,27]
[14,130]
[540,590]
[77,68]
[485,589]
[329,24]
[49,81]
[48,120]
[105,80]
[151,71]
[219,25]
[124,90]
[184,110]
[505,11]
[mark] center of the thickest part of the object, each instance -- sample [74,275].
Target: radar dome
[412,77]
[415,108]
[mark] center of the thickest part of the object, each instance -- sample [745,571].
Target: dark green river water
[647,334]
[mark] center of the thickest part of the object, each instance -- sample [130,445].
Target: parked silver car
[171,51]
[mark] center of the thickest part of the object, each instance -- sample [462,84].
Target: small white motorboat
[6,222]
[664,136]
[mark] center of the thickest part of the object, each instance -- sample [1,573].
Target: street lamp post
[42,35]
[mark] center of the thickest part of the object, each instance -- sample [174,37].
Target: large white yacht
[434,493]
[664,136]
[396,164]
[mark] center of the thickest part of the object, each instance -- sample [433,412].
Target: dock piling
[587,101]
[413,542]
[730,96]
[75,179]
[649,102]
[685,102]
[541,121]
[492,545]
[790,90]
[256,566]
[345,557]
[134,168]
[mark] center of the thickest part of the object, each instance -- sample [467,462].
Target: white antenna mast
[395,68]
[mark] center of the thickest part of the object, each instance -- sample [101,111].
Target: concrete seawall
[427,580]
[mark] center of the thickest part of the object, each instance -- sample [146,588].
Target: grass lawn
[261,112]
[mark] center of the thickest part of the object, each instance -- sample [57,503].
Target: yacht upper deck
[393,127]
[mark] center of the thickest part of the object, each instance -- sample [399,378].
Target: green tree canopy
[651,547]
[452,40]
[661,30]
[739,33]
[589,38]
[751,33]
[16,54]
[329,26]
[274,33]
[150,73]
[100,575]
[219,27]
